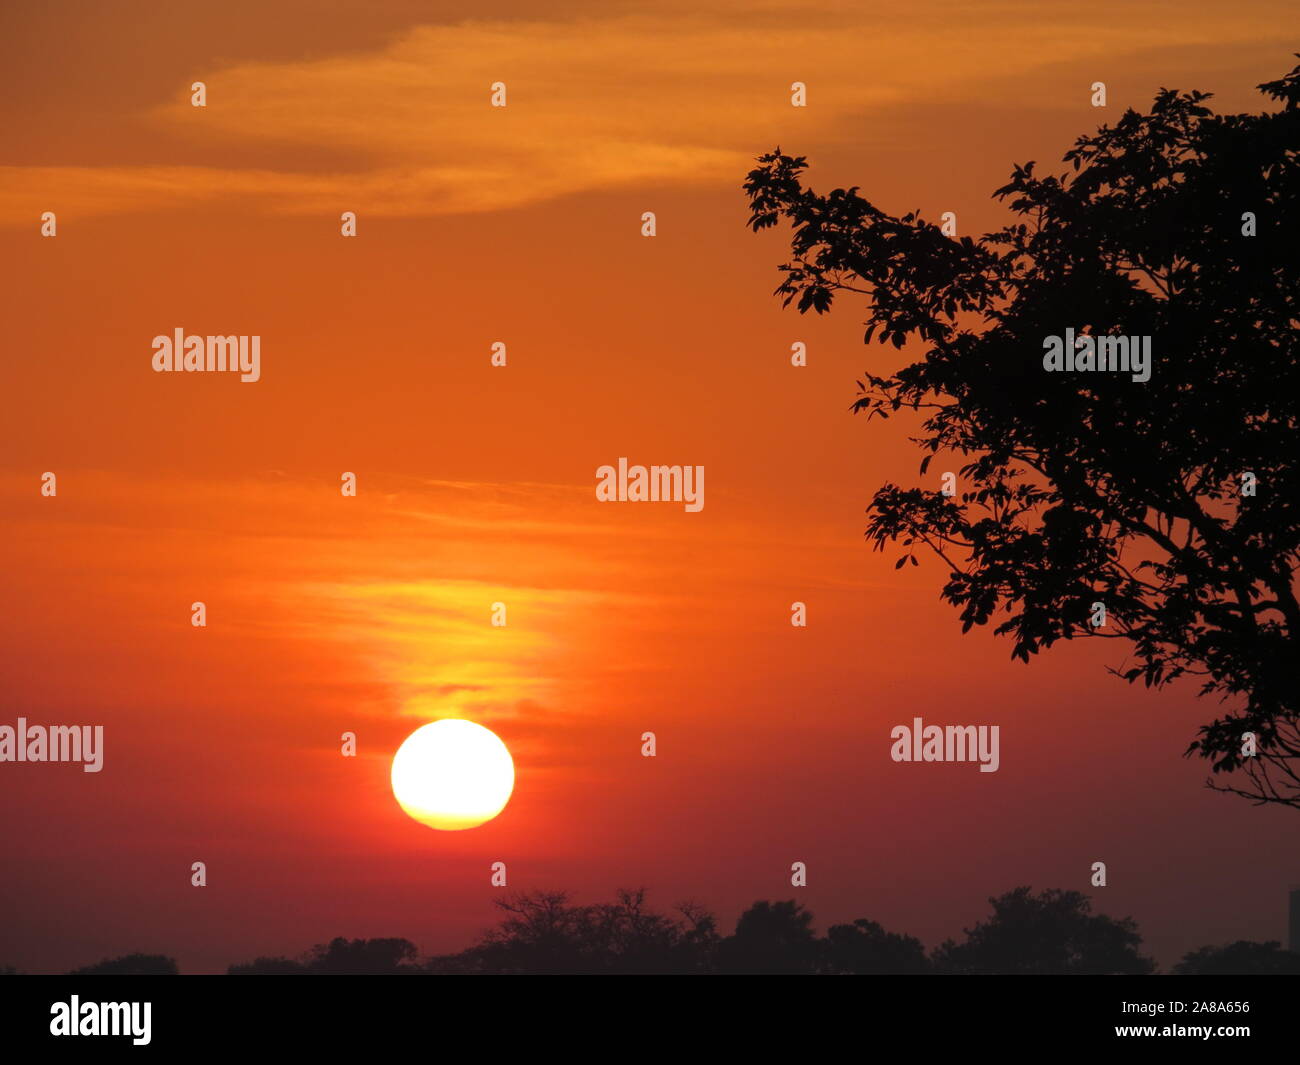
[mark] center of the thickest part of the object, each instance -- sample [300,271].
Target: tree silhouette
[268,967]
[1052,932]
[1240,958]
[1081,488]
[131,965]
[542,933]
[349,956]
[771,937]
[865,947]
[340,957]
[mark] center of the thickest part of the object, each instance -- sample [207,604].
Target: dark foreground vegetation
[1052,932]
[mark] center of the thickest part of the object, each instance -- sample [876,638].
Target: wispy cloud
[595,103]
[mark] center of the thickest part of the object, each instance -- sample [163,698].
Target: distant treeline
[1052,932]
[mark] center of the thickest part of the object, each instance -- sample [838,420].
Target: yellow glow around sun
[453,774]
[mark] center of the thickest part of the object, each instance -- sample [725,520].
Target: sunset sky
[475,484]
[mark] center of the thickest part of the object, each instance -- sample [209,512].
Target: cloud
[596,103]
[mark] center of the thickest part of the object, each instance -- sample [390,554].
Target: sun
[453,774]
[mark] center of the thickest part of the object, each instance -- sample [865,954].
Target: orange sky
[476,483]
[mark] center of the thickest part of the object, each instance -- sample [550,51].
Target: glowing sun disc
[452,774]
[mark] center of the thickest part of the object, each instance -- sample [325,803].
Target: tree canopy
[1051,932]
[540,932]
[1173,502]
[1240,958]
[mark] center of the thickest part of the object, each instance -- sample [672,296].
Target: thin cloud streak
[598,103]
